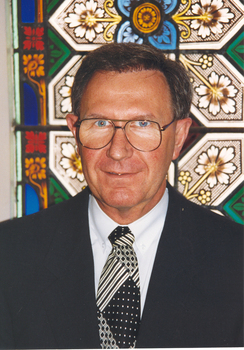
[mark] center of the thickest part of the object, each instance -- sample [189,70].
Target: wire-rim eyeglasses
[97,133]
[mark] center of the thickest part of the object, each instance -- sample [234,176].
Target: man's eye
[102,123]
[142,123]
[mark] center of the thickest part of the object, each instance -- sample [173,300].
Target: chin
[120,200]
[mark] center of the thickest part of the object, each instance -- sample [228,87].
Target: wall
[6,141]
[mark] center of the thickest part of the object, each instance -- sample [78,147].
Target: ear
[181,132]
[71,120]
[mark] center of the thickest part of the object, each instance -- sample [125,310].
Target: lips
[121,174]
[111,171]
[118,174]
[114,173]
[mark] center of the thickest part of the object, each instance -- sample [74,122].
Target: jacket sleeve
[6,330]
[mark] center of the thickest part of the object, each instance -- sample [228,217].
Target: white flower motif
[210,17]
[71,162]
[217,95]
[130,37]
[217,163]
[85,20]
[65,92]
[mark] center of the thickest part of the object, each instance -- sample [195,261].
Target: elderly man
[128,262]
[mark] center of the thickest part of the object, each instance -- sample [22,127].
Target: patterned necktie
[118,295]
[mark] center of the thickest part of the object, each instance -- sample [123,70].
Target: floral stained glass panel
[50,39]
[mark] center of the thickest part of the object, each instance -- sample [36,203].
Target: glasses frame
[126,121]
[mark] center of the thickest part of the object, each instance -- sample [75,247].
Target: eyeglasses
[143,135]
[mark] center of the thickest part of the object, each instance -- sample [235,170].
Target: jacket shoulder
[29,237]
[46,217]
[200,217]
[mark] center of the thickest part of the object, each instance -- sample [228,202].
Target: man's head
[126,180]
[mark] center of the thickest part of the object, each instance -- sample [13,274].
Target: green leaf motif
[240,49]
[238,206]
[56,192]
[56,53]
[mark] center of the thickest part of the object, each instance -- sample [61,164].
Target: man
[184,270]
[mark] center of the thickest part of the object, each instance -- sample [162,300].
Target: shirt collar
[146,229]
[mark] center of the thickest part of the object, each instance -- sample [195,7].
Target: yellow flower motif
[206,61]
[34,65]
[184,177]
[147,17]
[35,169]
[204,197]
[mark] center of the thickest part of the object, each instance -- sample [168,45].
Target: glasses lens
[144,135]
[95,133]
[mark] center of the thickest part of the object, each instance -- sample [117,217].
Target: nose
[119,148]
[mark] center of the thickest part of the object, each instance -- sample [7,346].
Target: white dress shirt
[147,231]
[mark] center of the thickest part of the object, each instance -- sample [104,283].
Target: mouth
[117,177]
[118,174]
[112,173]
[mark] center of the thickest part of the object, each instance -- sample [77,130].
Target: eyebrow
[138,117]
[98,116]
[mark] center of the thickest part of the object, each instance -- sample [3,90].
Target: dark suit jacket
[195,296]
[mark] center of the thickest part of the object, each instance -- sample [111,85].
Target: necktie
[118,295]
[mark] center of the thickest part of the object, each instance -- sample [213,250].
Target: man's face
[127,183]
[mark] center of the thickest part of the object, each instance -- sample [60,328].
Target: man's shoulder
[211,242]
[25,242]
[202,218]
[38,229]
[72,205]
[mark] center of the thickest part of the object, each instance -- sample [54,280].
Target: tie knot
[121,235]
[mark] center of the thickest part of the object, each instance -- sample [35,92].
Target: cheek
[154,165]
[91,161]
[162,154]
[160,161]
[87,160]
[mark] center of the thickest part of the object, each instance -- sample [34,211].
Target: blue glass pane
[31,200]
[166,39]
[126,34]
[30,106]
[28,11]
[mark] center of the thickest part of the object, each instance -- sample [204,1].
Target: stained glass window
[50,38]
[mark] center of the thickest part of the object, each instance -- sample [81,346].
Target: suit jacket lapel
[170,269]
[70,299]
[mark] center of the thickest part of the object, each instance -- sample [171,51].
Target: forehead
[145,90]
[126,79]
